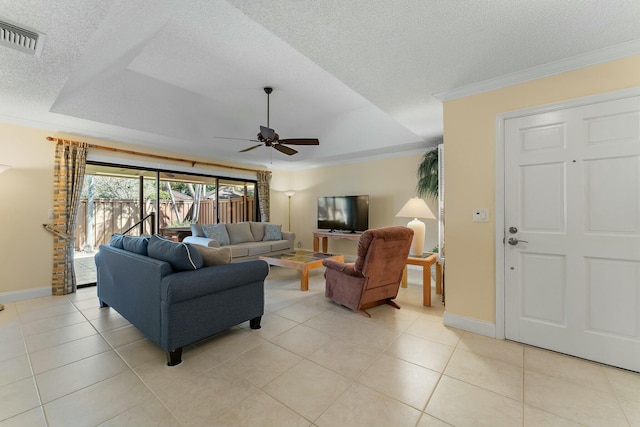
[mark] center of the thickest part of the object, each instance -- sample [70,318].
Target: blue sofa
[176,308]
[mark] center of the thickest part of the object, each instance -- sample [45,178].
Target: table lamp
[416,208]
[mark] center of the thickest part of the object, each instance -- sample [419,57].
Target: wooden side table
[426,261]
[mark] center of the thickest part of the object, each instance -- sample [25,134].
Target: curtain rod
[155,156]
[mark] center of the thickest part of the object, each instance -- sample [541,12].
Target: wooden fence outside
[116,216]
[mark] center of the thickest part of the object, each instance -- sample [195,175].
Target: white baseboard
[469,324]
[15,296]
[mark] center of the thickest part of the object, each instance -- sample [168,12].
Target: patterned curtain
[70,164]
[264,181]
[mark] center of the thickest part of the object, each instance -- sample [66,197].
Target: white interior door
[572,196]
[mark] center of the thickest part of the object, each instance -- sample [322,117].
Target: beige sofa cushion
[257,229]
[254,248]
[280,245]
[239,233]
[239,250]
[214,256]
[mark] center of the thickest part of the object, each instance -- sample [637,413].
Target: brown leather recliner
[375,277]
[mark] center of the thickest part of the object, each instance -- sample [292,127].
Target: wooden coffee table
[302,260]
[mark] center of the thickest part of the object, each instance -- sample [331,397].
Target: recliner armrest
[346,268]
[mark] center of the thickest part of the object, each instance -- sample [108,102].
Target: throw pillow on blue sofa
[135,244]
[181,256]
[117,241]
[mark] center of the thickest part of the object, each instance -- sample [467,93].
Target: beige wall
[25,199]
[390,183]
[470,139]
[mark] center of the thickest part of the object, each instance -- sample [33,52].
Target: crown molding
[573,63]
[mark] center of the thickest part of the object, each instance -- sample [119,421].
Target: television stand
[326,235]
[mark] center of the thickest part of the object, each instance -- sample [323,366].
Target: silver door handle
[513,241]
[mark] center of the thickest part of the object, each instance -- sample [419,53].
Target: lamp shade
[289,193]
[416,208]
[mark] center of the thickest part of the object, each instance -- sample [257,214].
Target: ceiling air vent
[20,37]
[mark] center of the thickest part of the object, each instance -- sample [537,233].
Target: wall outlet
[481,215]
[50,214]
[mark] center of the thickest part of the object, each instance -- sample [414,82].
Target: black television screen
[343,213]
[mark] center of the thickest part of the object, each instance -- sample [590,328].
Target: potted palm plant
[427,185]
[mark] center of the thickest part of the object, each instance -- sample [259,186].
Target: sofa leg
[103,304]
[255,323]
[174,357]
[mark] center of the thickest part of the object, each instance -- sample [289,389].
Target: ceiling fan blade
[284,149]
[300,141]
[267,133]
[238,139]
[250,148]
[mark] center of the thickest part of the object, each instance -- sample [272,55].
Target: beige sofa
[245,239]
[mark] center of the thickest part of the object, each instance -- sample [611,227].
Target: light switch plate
[481,215]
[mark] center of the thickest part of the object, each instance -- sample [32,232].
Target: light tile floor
[66,362]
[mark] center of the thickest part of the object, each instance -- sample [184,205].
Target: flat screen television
[343,213]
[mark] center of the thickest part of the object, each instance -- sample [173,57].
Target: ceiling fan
[269,138]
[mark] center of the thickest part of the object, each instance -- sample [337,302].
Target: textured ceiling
[359,75]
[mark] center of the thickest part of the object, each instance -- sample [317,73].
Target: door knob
[513,241]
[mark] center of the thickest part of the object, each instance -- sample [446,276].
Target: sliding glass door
[123,199]
[115,200]
[135,201]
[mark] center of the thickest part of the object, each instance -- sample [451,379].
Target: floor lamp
[289,194]
[416,208]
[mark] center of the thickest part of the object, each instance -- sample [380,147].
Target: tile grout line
[129,367]
[444,368]
[33,374]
